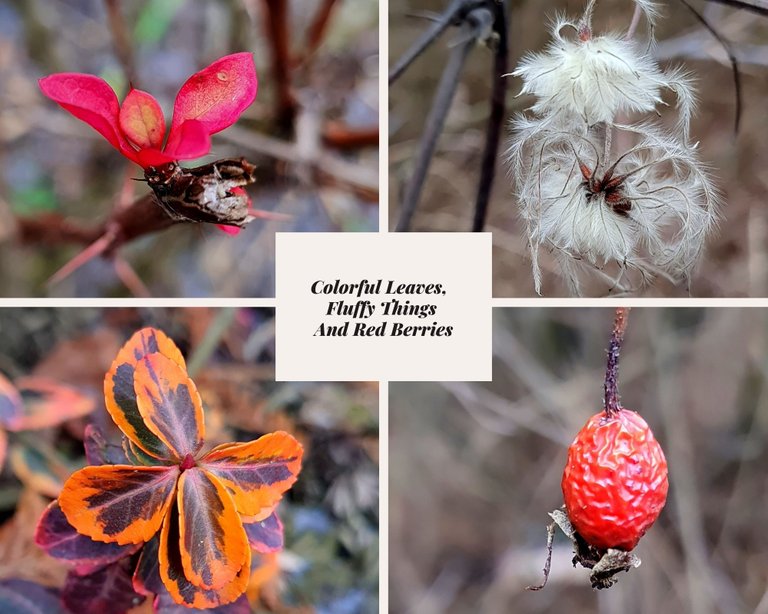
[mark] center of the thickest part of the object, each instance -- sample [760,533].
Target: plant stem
[612,403]
[634,23]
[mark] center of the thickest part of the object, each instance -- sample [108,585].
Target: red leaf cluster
[210,101]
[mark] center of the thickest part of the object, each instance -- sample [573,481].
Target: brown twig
[340,136]
[548,562]
[612,402]
[317,29]
[144,216]
[277,33]
[121,41]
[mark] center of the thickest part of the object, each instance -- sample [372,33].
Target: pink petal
[191,140]
[91,100]
[141,120]
[218,94]
[230,230]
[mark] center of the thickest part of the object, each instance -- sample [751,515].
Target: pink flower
[210,101]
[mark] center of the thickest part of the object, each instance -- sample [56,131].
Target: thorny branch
[612,402]
[131,219]
[483,20]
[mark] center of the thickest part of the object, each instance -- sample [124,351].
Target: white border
[383,385]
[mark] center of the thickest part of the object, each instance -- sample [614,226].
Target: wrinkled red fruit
[615,481]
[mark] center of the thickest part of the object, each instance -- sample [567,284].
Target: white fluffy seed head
[597,78]
[673,202]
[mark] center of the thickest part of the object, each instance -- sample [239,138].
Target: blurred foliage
[330,564]
[486,460]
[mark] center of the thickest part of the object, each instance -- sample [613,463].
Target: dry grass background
[475,467]
[736,261]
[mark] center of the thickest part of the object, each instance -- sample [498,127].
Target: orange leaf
[48,403]
[262,515]
[180,588]
[119,392]
[257,473]
[213,541]
[170,405]
[118,503]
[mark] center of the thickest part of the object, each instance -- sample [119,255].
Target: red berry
[615,481]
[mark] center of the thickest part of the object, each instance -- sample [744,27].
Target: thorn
[97,248]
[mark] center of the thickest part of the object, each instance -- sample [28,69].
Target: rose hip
[615,480]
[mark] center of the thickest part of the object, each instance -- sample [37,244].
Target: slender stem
[122,41]
[278,30]
[548,562]
[608,144]
[447,18]
[317,29]
[434,125]
[634,23]
[612,402]
[495,119]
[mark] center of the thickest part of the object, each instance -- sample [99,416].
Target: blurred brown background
[312,132]
[475,468]
[736,260]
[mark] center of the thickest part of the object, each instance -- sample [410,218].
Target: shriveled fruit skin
[615,480]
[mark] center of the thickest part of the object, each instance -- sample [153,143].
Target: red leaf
[218,94]
[48,403]
[257,473]
[119,392]
[11,405]
[141,120]
[118,503]
[60,540]
[232,231]
[153,157]
[213,542]
[180,588]
[170,404]
[91,100]
[107,590]
[265,535]
[191,140]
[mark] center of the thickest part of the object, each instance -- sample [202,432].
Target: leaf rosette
[196,517]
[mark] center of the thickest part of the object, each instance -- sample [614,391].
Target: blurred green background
[476,467]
